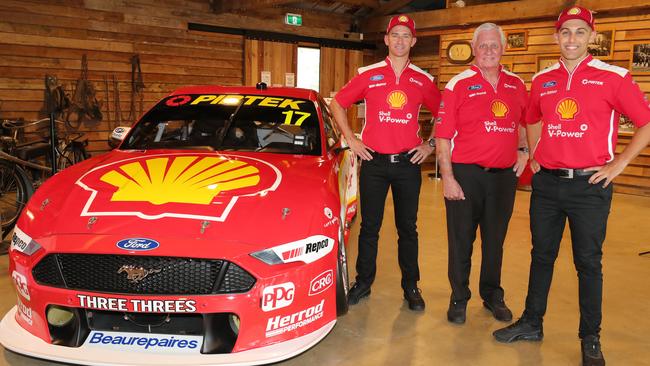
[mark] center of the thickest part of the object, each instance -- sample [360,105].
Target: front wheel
[15,190]
[342,284]
[72,154]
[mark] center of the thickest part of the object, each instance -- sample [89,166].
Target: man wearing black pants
[391,151]
[572,119]
[480,116]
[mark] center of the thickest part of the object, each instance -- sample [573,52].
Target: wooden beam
[368,3]
[224,6]
[390,7]
[502,12]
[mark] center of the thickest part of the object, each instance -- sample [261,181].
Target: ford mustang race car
[214,234]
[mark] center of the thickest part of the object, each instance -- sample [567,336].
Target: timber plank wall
[628,30]
[39,37]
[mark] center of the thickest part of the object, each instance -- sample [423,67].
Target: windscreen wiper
[226,127]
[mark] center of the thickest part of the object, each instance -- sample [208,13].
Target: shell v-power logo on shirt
[396,99]
[567,109]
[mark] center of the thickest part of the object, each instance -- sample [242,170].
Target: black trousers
[404,180]
[587,207]
[489,199]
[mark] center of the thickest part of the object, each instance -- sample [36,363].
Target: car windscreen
[229,122]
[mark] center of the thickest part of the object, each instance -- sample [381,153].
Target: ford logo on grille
[137,244]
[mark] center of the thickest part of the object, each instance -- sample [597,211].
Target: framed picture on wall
[517,40]
[603,45]
[640,60]
[459,52]
[544,61]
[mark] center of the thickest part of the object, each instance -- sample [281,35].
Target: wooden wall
[628,31]
[39,37]
[277,57]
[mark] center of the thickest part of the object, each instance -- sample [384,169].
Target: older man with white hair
[481,150]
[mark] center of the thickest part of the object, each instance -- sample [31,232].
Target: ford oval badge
[138,244]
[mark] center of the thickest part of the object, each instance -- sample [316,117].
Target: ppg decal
[278,296]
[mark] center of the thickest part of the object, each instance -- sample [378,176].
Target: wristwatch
[524,149]
[432,143]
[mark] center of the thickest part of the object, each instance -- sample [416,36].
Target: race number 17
[300,117]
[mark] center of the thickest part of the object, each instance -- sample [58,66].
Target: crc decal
[159,343]
[567,109]
[23,243]
[499,109]
[200,186]
[321,282]
[396,99]
[21,284]
[281,324]
[307,250]
[136,305]
[278,296]
[234,99]
[138,244]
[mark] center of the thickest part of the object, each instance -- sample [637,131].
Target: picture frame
[459,52]
[516,40]
[603,46]
[640,58]
[544,61]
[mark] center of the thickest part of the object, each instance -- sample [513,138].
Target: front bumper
[17,339]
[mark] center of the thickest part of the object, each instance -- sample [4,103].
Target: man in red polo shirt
[481,151]
[391,151]
[572,119]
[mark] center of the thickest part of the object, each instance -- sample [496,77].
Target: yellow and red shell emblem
[396,99]
[499,108]
[573,11]
[203,186]
[403,18]
[567,109]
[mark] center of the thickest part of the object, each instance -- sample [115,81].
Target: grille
[155,275]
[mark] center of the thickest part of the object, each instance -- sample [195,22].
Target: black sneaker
[521,330]
[457,312]
[499,310]
[414,298]
[357,292]
[591,353]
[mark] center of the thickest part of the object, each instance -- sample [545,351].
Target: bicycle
[23,166]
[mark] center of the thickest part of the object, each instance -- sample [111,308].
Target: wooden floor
[381,330]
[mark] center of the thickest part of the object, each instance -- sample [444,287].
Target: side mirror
[116,137]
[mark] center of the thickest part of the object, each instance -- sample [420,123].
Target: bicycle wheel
[72,154]
[15,190]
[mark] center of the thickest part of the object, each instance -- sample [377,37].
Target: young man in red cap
[572,119]
[391,151]
[481,117]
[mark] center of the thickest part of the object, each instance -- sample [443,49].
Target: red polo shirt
[392,104]
[580,111]
[481,121]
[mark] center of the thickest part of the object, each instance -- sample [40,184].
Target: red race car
[214,234]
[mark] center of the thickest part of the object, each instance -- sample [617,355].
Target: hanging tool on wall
[107,99]
[137,88]
[84,100]
[116,100]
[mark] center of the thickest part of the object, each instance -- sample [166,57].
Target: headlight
[305,250]
[23,243]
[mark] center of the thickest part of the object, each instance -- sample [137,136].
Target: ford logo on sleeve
[549,84]
[377,77]
[475,87]
[138,244]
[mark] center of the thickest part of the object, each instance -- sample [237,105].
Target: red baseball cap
[401,20]
[575,12]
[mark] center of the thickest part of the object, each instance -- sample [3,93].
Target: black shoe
[521,330]
[457,312]
[499,310]
[591,353]
[414,298]
[357,292]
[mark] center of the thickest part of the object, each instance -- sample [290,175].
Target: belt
[393,158]
[568,173]
[493,170]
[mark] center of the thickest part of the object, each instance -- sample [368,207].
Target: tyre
[342,283]
[15,190]
[72,154]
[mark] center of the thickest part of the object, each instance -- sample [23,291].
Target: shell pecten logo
[573,11]
[397,99]
[189,179]
[205,186]
[567,109]
[499,109]
[403,18]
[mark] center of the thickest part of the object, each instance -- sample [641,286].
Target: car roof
[271,91]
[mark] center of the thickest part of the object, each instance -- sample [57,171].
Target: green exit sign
[293,19]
